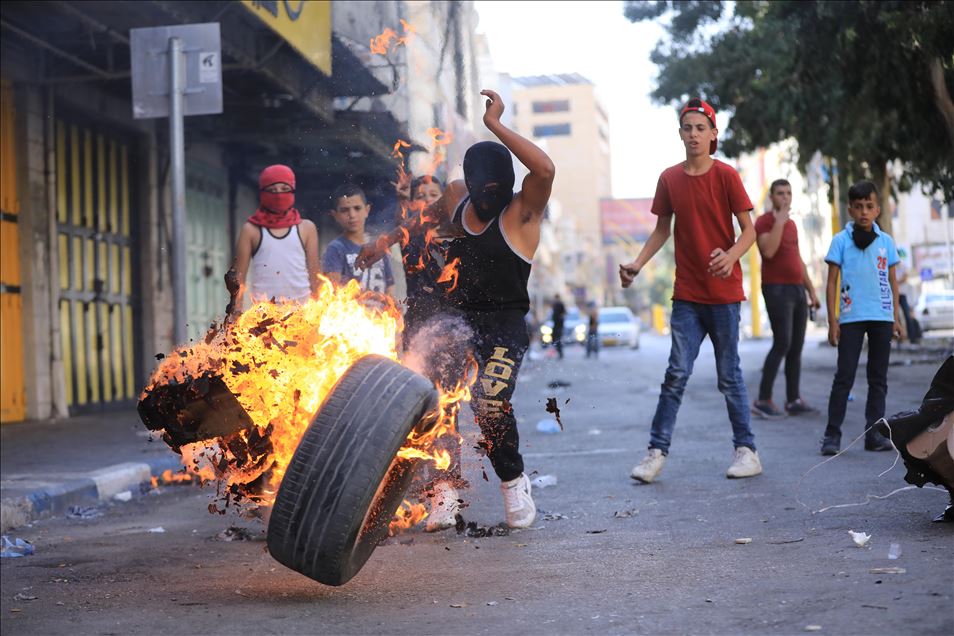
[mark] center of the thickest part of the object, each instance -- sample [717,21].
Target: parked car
[935,310]
[574,329]
[618,326]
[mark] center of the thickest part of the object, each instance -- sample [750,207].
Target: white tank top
[279,269]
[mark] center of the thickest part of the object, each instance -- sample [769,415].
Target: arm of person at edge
[309,235]
[809,287]
[898,324]
[658,238]
[249,236]
[723,261]
[831,300]
[770,241]
[529,204]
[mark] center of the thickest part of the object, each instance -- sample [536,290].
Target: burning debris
[553,408]
[235,405]
[474,531]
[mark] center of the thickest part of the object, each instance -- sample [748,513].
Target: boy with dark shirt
[497,232]
[703,195]
[865,258]
[784,283]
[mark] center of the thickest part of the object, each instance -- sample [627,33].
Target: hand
[814,302]
[834,334]
[494,106]
[402,187]
[898,329]
[720,263]
[782,216]
[627,274]
[370,253]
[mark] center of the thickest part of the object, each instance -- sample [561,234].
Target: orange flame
[280,361]
[406,516]
[449,275]
[388,39]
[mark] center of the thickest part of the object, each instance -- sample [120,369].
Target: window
[552,106]
[551,130]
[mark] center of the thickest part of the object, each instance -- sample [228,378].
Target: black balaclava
[862,238]
[488,173]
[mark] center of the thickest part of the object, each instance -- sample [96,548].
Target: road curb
[97,486]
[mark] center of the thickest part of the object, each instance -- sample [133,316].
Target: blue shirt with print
[865,288]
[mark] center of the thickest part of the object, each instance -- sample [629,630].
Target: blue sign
[927,273]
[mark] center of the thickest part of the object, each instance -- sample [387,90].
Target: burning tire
[344,481]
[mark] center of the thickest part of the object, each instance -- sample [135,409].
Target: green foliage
[848,79]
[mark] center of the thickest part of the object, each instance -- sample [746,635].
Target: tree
[866,82]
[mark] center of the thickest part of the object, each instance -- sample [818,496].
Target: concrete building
[86,217]
[564,112]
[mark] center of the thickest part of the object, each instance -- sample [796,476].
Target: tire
[344,482]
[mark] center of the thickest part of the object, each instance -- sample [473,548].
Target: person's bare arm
[722,261]
[535,191]
[312,262]
[770,241]
[658,238]
[892,278]
[831,302]
[436,215]
[810,287]
[248,236]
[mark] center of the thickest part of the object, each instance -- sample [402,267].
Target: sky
[595,40]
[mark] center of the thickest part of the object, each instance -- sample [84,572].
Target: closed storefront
[95,226]
[207,255]
[11,304]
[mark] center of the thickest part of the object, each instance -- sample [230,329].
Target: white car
[935,310]
[574,329]
[618,326]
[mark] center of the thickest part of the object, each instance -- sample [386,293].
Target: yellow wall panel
[61,205]
[113,189]
[79,351]
[116,347]
[77,212]
[105,359]
[64,246]
[124,189]
[92,351]
[128,351]
[66,342]
[114,278]
[9,253]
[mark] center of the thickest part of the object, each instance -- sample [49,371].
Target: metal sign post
[177,71]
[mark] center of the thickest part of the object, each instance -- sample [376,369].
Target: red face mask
[276,202]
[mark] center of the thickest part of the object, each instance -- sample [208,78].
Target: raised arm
[535,191]
[770,241]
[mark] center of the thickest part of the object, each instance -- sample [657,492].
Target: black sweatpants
[788,314]
[849,350]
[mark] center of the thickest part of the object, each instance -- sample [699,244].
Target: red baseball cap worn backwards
[706,110]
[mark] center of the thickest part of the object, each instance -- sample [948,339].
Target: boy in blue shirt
[866,258]
[351,210]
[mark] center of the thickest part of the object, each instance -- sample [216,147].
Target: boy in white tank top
[280,246]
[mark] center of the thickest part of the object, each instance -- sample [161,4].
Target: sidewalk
[48,466]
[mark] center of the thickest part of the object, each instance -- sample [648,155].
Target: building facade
[565,115]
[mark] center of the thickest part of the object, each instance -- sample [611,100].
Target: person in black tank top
[495,237]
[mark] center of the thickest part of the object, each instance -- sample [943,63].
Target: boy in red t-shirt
[784,283]
[703,195]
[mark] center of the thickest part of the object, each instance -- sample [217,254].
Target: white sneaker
[521,511]
[444,506]
[647,470]
[745,464]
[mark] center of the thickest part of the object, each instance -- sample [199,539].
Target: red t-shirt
[785,268]
[704,206]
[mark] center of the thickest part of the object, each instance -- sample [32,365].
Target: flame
[450,274]
[169,477]
[406,516]
[388,39]
[281,360]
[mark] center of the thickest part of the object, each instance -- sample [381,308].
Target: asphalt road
[606,555]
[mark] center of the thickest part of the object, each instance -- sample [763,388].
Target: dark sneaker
[875,441]
[831,444]
[766,410]
[798,407]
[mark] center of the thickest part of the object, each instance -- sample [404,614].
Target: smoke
[441,350]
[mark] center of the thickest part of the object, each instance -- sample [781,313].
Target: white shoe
[647,470]
[521,511]
[745,464]
[444,506]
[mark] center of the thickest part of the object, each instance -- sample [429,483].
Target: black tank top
[493,276]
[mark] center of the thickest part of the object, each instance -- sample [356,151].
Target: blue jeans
[691,323]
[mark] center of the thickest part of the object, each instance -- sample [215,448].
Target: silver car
[618,326]
[935,310]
